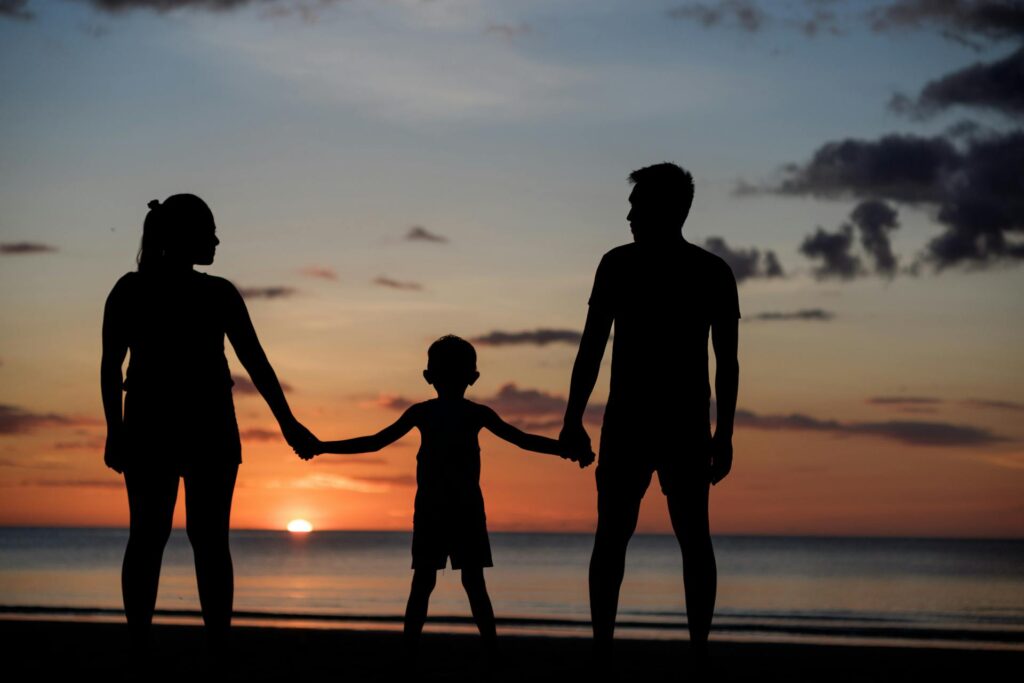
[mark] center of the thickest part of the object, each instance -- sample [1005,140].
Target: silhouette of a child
[448,519]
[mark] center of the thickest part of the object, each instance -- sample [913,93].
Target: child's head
[451,364]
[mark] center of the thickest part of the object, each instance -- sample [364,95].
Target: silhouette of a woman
[179,418]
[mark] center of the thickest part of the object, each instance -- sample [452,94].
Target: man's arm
[725,340]
[584,375]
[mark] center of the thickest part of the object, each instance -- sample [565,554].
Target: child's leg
[480,603]
[423,582]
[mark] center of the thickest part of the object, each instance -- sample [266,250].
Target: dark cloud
[86,445]
[36,463]
[995,85]
[14,420]
[161,6]
[15,9]
[393,402]
[513,401]
[75,483]
[802,314]
[385,281]
[965,129]
[978,192]
[418,233]
[279,292]
[356,459]
[532,409]
[509,31]
[320,272]
[910,432]
[243,385]
[904,400]
[528,409]
[833,248]
[956,19]
[18,248]
[257,434]
[875,220]
[745,263]
[538,337]
[821,21]
[389,480]
[742,14]
[998,405]
[904,168]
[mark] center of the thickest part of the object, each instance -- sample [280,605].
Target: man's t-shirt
[663,299]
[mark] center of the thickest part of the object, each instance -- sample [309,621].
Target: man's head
[451,364]
[660,201]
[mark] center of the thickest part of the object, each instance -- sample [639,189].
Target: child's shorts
[434,541]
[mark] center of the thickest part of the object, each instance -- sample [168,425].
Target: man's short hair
[452,356]
[670,184]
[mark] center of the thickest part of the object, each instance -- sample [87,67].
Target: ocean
[961,593]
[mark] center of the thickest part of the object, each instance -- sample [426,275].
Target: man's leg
[688,509]
[618,507]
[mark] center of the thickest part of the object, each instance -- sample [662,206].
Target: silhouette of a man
[664,294]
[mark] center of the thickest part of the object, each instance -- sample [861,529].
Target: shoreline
[808,631]
[47,648]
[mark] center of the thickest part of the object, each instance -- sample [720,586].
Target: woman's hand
[114,455]
[298,437]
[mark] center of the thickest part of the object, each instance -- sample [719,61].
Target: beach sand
[44,650]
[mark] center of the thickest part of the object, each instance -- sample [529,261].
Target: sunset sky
[383,172]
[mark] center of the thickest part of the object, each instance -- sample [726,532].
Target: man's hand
[576,440]
[721,457]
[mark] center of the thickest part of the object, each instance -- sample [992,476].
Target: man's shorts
[629,457]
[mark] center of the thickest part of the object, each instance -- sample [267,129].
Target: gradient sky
[397,170]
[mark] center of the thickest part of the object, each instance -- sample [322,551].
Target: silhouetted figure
[663,294]
[179,418]
[449,520]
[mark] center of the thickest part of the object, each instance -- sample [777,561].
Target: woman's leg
[152,493]
[208,492]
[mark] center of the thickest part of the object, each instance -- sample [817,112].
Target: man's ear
[473,378]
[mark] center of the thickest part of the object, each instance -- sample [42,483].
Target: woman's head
[178,232]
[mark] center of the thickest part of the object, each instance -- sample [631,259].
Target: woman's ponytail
[154,236]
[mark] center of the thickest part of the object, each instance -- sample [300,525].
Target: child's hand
[310,449]
[585,459]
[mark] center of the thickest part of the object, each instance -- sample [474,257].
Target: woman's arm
[371,444]
[115,348]
[247,347]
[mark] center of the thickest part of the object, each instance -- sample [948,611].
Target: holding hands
[576,442]
[302,441]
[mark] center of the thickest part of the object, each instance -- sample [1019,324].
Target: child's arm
[517,437]
[370,444]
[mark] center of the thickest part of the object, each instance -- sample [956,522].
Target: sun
[299,526]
